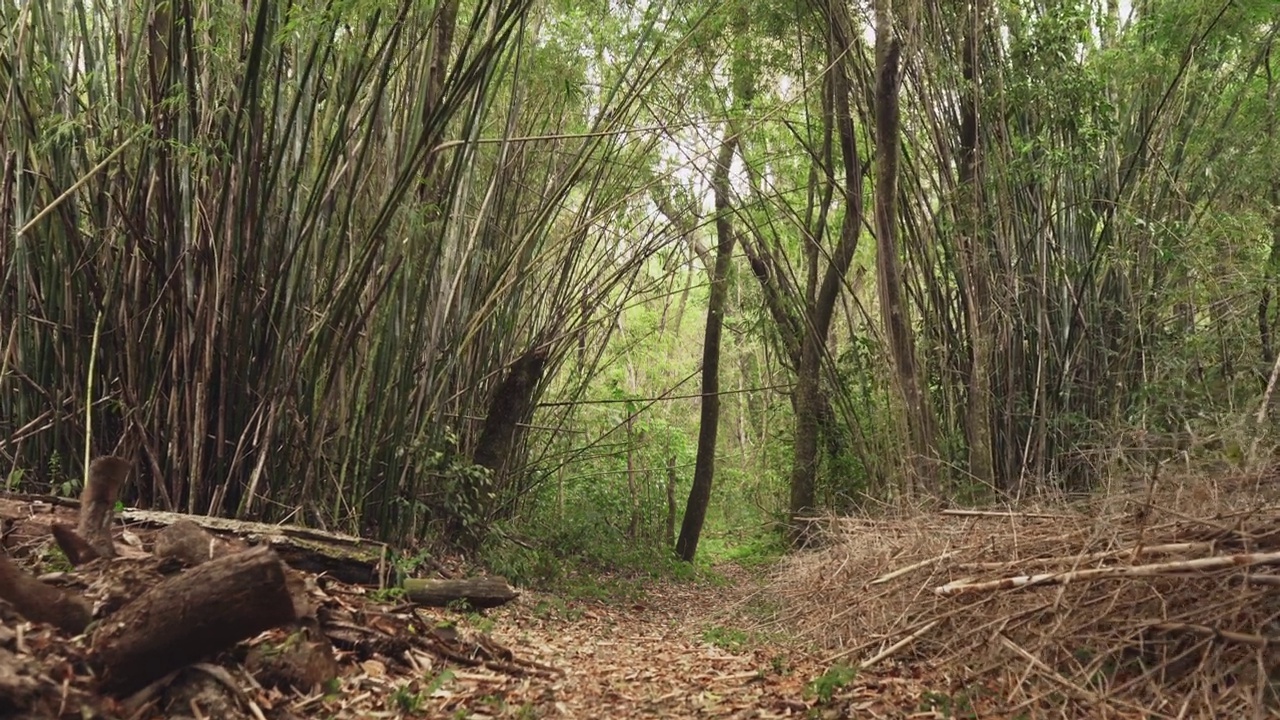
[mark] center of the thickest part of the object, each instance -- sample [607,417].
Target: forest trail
[692,649]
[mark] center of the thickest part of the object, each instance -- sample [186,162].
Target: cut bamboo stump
[481,592]
[190,616]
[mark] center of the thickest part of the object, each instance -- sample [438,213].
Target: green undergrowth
[757,552]
[737,640]
[583,566]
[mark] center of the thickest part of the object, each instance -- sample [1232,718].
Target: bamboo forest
[639,359]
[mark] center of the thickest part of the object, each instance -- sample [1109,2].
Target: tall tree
[695,514]
[893,306]
[820,306]
[709,424]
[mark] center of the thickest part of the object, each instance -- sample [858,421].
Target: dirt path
[674,653]
[683,650]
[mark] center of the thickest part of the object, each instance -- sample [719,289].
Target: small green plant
[724,638]
[546,608]
[54,560]
[758,552]
[438,682]
[64,487]
[387,595]
[407,701]
[835,678]
[957,706]
[480,622]
[333,687]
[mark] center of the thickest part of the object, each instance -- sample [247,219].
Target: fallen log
[37,601]
[344,557]
[190,616]
[481,592]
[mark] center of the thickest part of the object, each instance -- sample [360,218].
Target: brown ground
[666,649]
[689,649]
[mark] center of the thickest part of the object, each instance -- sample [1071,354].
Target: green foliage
[553,606]
[13,479]
[760,550]
[407,701]
[730,639]
[342,277]
[54,560]
[333,688]
[835,678]
[387,595]
[480,622]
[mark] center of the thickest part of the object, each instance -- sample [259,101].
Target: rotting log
[347,558]
[190,616]
[40,602]
[481,592]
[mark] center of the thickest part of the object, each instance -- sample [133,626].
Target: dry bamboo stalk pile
[1164,603]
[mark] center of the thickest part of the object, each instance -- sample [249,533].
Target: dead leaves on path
[652,659]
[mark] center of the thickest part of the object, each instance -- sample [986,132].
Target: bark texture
[893,306]
[39,602]
[806,398]
[482,592]
[190,616]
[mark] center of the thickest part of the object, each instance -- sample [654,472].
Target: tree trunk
[974,273]
[633,488]
[695,512]
[671,500]
[805,396]
[893,307]
[512,404]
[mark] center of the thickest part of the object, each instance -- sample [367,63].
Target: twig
[1165,549]
[913,566]
[1006,514]
[1238,637]
[897,646]
[1210,563]
[1050,672]
[1251,462]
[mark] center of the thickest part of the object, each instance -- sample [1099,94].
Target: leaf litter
[677,649]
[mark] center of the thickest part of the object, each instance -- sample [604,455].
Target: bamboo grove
[290,257]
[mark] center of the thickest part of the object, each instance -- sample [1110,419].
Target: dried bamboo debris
[1173,613]
[1119,571]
